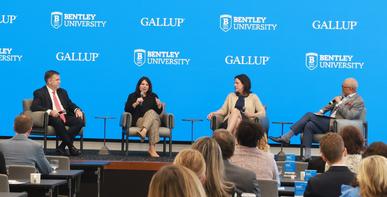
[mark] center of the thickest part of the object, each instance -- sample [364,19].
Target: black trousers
[67,136]
[311,124]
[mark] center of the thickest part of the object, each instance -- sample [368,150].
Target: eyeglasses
[345,87]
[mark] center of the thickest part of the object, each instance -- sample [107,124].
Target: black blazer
[329,183]
[42,101]
[148,104]
[244,180]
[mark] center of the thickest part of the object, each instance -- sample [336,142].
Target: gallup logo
[225,22]
[142,56]
[7,19]
[161,22]
[76,56]
[252,60]
[334,25]
[246,23]
[59,19]
[332,61]
[139,57]
[56,19]
[6,55]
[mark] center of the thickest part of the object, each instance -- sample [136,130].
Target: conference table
[49,186]
[91,168]
[13,194]
[73,178]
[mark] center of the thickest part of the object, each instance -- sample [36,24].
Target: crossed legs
[149,125]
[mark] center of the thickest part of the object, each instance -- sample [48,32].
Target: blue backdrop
[297,54]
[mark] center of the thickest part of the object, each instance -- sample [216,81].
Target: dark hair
[248,133]
[353,139]
[332,147]
[245,80]
[376,148]
[48,74]
[139,83]
[22,124]
[226,142]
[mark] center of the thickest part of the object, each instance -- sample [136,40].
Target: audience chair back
[4,185]
[17,172]
[64,162]
[269,188]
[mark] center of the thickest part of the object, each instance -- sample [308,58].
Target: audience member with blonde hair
[175,180]
[215,185]
[371,177]
[193,160]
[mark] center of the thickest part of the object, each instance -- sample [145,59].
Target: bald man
[349,105]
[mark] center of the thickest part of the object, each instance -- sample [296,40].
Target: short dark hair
[376,148]
[139,83]
[22,124]
[48,74]
[332,147]
[226,142]
[245,80]
[248,133]
[353,139]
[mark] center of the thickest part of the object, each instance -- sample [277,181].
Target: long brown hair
[215,185]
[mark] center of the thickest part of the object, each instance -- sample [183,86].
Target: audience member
[215,185]
[244,180]
[376,148]
[329,183]
[248,156]
[175,180]
[371,177]
[193,160]
[354,143]
[19,150]
[3,167]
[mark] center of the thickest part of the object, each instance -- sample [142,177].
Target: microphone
[333,101]
[142,93]
[62,112]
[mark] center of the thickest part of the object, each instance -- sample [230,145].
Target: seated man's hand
[54,113]
[79,114]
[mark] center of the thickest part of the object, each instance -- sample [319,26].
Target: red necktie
[58,107]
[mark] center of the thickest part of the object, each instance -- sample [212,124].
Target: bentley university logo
[225,22]
[139,57]
[311,60]
[56,19]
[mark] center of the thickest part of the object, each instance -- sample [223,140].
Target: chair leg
[164,145]
[127,144]
[81,143]
[45,142]
[56,142]
[122,142]
[170,146]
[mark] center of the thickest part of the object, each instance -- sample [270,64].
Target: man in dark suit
[349,106]
[245,180]
[62,111]
[329,183]
[20,150]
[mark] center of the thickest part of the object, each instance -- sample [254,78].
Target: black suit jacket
[42,101]
[329,183]
[244,180]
